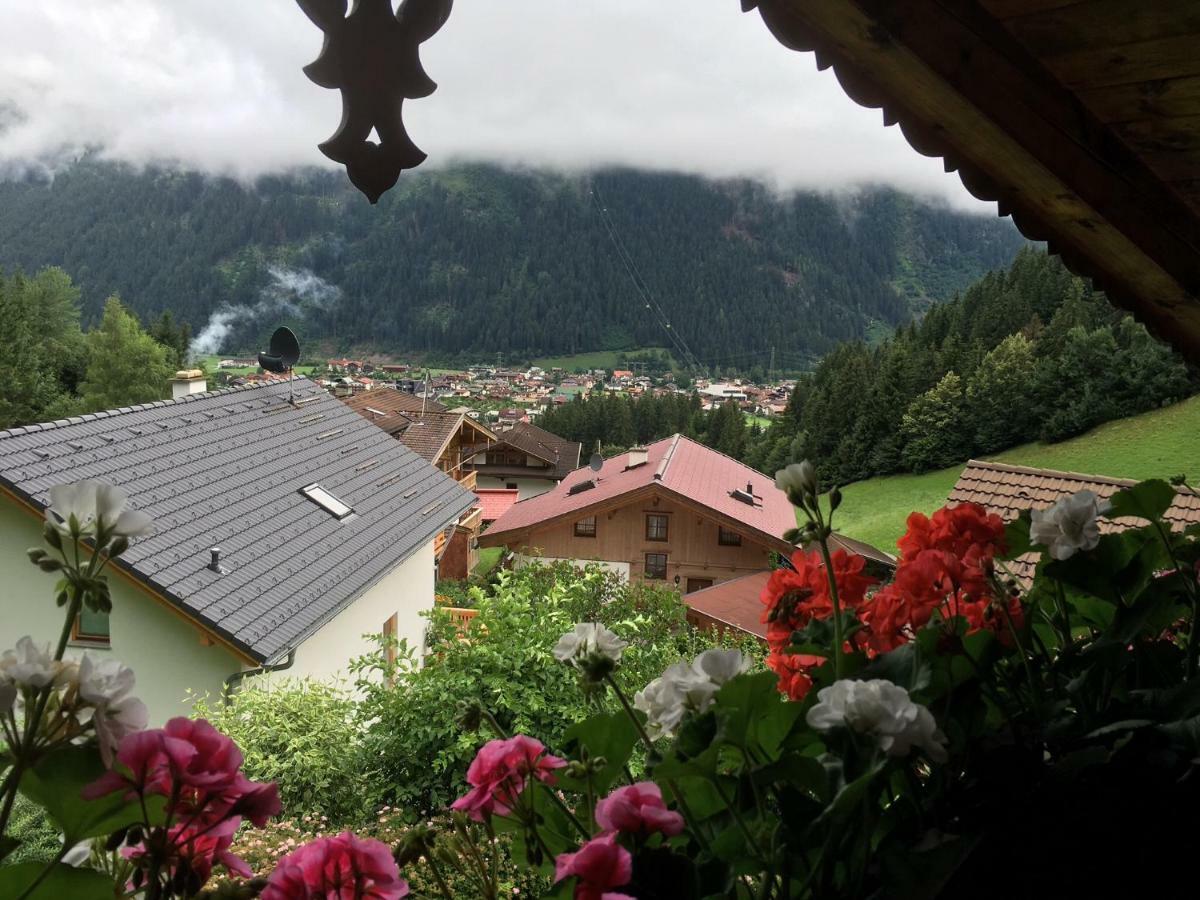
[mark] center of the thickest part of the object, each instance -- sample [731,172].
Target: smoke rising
[291,292]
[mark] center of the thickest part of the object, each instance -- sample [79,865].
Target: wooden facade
[625,533]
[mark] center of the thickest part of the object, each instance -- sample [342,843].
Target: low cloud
[687,85]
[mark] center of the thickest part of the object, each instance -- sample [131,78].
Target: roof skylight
[326,501]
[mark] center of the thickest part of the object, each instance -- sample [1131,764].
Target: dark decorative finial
[372,56]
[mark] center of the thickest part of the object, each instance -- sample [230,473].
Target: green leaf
[847,800]
[751,714]
[1147,500]
[611,735]
[902,666]
[1016,537]
[63,881]
[56,784]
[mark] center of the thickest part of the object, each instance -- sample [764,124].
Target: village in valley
[847,548]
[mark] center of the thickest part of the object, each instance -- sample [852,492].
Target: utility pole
[771,368]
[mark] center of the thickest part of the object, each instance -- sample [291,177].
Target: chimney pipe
[187,382]
[750,488]
[215,564]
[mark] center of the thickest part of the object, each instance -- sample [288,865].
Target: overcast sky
[692,85]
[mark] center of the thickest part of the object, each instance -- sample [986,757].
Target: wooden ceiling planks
[958,78]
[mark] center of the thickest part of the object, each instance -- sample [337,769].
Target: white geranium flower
[685,687]
[798,478]
[882,710]
[720,666]
[663,703]
[588,638]
[32,666]
[92,501]
[105,685]
[1069,525]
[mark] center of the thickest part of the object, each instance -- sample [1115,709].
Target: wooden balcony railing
[467,479]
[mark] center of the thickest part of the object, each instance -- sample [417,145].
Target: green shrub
[414,738]
[304,736]
[29,824]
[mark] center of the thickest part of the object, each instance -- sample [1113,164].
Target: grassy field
[488,558]
[597,359]
[210,363]
[1156,444]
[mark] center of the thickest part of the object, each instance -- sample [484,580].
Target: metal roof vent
[215,563]
[581,487]
[638,456]
[746,496]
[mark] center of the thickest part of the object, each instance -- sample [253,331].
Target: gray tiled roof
[224,469]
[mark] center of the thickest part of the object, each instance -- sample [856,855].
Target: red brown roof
[391,410]
[559,452]
[730,604]
[495,501]
[1008,490]
[676,465]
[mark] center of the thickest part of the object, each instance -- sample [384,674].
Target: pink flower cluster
[199,769]
[499,773]
[345,867]
[637,810]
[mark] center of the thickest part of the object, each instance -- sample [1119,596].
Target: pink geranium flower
[345,867]
[599,864]
[638,809]
[499,773]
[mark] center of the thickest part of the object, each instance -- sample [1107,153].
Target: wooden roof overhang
[1080,118]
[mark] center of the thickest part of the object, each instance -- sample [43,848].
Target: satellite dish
[596,462]
[284,351]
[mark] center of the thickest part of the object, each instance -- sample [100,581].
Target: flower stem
[823,541]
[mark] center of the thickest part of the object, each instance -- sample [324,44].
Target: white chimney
[638,456]
[188,381]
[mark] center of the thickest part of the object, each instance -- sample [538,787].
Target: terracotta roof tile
[1008,490]
[496,501]
[735,603]
[544,445]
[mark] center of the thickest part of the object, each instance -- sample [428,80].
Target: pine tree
[125,365]
[935,428]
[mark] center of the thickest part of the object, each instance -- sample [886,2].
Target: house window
[656,527]
[91,627]
[656,565]
[586,527]
[728,538]
[326,501]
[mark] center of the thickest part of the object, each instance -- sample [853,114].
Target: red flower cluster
[945,569]
[345,867]
[499,773]
[796,596]
[199,769]
[598,865]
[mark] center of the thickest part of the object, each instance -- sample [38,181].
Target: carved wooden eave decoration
[1081,120]
[373,57]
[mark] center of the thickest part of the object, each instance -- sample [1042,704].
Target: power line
[687,357]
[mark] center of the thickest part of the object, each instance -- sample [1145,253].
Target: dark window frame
[666,527]
[652,573]
[585,533]
[727,537]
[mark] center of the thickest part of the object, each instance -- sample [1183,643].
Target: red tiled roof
[734,603]
[495,501]
[677,465]
[1008,490]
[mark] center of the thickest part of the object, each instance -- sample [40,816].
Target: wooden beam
[963,88]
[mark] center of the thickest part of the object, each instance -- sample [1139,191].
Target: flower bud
[835,499]
[799,480]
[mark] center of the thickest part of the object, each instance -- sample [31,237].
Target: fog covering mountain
[478,260]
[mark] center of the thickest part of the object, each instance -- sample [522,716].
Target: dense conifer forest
[472,261]
[1028,352]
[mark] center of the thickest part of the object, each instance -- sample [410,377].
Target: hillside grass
[211,361]
[1156,444]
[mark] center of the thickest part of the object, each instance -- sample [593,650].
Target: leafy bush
[30,825]
[414,739]
[303,735]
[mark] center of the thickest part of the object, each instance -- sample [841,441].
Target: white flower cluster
[882,710]
[91,502]
[587,639]
[1069,525]
[93,691]
[687,688]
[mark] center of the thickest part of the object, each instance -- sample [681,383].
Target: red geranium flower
[599,864]
[638,809]
[345,867]
[499,773]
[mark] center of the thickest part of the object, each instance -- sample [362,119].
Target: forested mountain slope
[479,260]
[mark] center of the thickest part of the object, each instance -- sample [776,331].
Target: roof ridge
[1034,470]
[122,410]
[732,459]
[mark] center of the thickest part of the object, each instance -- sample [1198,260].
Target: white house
[527,459]
[287,530]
